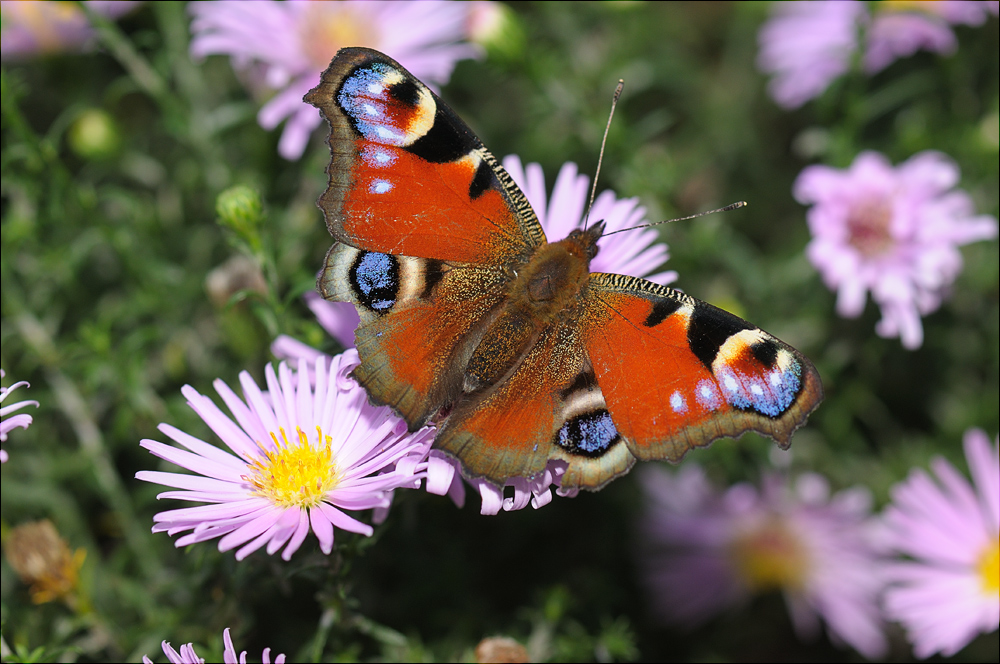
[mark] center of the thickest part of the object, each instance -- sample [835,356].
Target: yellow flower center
[295,473]
[929,6]
[868,227]
[328,27]
[770,557]
[989,568]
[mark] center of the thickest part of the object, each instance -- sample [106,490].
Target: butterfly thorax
[544,291]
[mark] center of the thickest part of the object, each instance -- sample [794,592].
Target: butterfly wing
[638,371]
[549,409]
[421,319]
[408,177]
[430,230]
[677,373]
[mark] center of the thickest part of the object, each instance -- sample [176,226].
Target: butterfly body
[509,344]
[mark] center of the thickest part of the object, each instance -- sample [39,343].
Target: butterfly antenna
[600,157]
[732,206]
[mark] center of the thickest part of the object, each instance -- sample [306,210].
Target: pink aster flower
[302,458]
[900,29]
[36,28]
[806,46]
[283,47]
[21,420]
[707,551]
[892,231]
[187,655]
[949,590]
[637,253]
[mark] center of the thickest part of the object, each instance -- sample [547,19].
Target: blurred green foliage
[113,162]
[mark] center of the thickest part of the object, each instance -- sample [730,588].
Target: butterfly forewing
[408,177]
[692,372]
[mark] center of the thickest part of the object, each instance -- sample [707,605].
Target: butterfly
[519,354]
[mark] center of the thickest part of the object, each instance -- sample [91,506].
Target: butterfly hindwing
[549,408]
[408,177]
[420,320]
[677,373]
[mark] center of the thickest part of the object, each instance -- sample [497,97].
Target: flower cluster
[705,551]
[281,48]
[892,231]
[302,457]
[708,551]
[807,45]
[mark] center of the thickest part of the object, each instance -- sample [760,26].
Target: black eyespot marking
[481,181]
[661,309]
[433,273]
[406,92]
[709,328]
[583,381]
[590,434]
[445,141]
[766,353]
[374,278]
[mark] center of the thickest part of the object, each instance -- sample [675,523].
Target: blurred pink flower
[892,231]
[705,552]
[304,457]
[187,655]
[900,29]
[805,46]
[283,47]
[35,28]
[8,424]
[950,589]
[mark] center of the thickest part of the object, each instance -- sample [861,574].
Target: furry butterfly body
[470,319]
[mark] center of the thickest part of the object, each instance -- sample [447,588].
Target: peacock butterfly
[470,319]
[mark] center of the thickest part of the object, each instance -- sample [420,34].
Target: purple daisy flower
[806,45]
[900,29]
[637,254]
[283,47]
[187,655]
[892,231]
[707,551]
[8,424]
[36,28]
[949,590]
[303,457]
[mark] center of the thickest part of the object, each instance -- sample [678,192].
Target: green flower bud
[94,135]
[240,209]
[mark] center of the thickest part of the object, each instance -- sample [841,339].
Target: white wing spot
[380,187]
